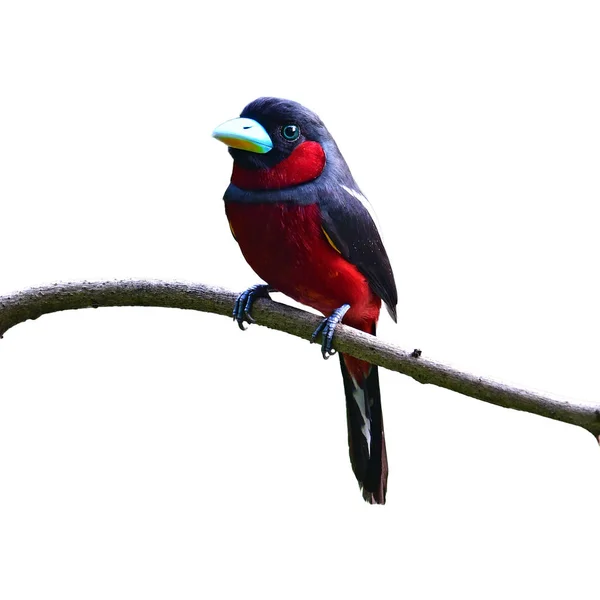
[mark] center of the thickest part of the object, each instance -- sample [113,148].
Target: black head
[288,124]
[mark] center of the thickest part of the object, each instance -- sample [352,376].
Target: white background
[153,453]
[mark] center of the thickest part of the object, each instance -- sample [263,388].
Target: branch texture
[35,302]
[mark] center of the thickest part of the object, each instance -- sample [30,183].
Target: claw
[327,329]
[243,304]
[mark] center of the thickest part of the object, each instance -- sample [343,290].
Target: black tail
[366,439]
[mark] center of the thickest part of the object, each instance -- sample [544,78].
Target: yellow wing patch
[232,231]
[330,241]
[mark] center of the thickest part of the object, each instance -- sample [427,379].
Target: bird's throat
[304,164]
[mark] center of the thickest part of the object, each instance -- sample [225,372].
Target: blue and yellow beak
[244,134]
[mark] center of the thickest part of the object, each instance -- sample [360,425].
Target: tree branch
[33,303]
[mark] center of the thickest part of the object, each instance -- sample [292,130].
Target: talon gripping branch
[303,225]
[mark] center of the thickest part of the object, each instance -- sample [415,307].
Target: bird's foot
[327,328]
[243,304]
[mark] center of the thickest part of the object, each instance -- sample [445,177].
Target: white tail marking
[360,398]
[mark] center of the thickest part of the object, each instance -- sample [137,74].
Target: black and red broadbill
[305,228]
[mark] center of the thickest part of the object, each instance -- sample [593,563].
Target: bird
[306,229]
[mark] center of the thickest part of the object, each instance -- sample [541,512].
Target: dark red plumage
[286,245]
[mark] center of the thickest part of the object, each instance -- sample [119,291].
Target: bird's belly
[286,246]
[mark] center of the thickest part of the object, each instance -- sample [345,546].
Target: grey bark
[33,303]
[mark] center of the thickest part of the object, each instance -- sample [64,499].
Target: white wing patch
[364,202]
[359,398]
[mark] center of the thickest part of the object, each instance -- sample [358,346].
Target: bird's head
[277,143]
[268,131]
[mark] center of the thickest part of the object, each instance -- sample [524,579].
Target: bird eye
[290,132]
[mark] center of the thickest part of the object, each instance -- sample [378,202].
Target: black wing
[354,233]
